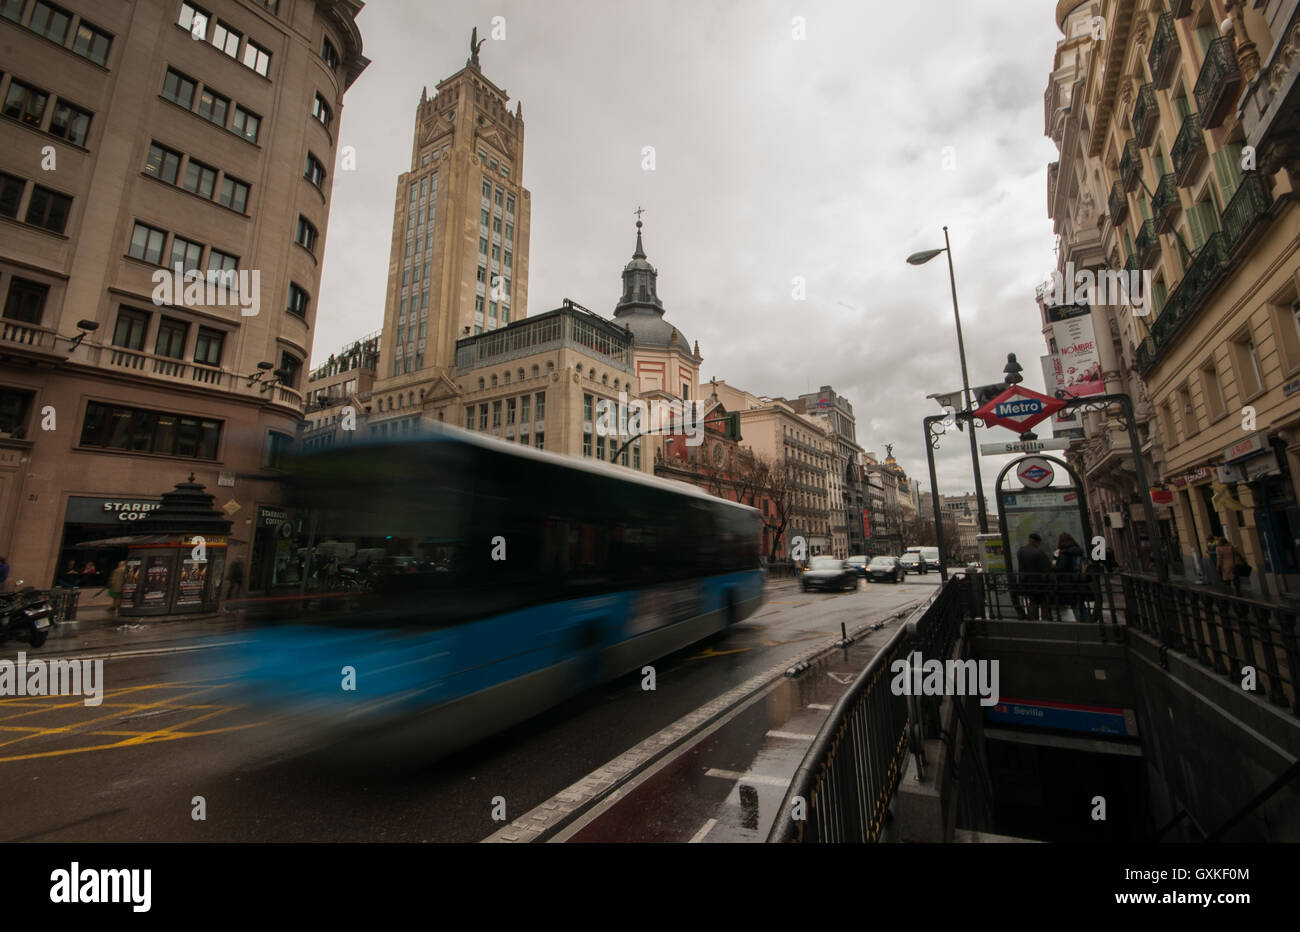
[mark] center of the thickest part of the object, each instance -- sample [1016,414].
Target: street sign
[1024,446]
[1035,472]
[1018,408]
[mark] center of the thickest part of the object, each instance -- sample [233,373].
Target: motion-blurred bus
[451,584]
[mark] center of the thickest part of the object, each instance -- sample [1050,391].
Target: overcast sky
[775,158]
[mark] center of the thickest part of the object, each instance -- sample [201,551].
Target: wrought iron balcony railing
[1218,84]
[1246,207]
[1190,295]
[1146,116]
[1148,245]
[1188,151]
[1180,8]
[1118,204]
[1165,203]
[1163,58]
[1130,165]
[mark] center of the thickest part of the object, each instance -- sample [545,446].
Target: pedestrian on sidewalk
[1071,579]
[235,575]
[1033,578]
[88,574]
[1228,560]
[115,580]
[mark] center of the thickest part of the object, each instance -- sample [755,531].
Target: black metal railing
[1118,204]
[1218,83]
[843,787]
[1165,203]
[1180,8]
[1148,244]
[1221,631]
[1130,165]
[1248,204]
[1187,299]
[1090,598]
[1188,150]
[1164,52]
[63,603]
[1146,116]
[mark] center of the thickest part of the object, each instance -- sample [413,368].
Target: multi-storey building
[1162,178]
[847,492]
[338,394]
[459,259]
[142,139]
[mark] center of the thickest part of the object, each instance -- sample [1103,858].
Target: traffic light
[731,428]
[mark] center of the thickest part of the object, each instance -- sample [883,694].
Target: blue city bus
[447,585]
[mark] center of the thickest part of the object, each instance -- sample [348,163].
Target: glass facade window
[117,427]
[25,103]
[213,107]
[171,338]
[200,179]
[233,194]
[207,346]
[147,244]
[50,21]
[194,20]
[130,329]
[48,209]
[257,58]
[163,164]
[187,253]
[179,89]
[70,123]
[246,124]
[26,301]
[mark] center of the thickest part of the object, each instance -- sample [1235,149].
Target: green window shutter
[1182,108]
[1227,168]
[1159,295]
[1204,36]
[1204,220]
[1144,207]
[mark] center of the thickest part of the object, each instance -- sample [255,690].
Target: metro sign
[1018,408]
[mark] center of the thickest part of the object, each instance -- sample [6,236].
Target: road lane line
[819,706]
[792,735]
[754,778]
[704,830]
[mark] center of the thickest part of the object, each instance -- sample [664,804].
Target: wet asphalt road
[132,768]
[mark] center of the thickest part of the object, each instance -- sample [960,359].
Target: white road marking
[704,830]
[819,706]
[754,778]
[793,736]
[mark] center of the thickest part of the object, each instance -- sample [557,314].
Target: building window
[226,39]
[587,402]
[257,58]
[321,111]
[510,204]
[222,266]
[510,412]
[194,20]
[171,338]
[277,447]
[233,194]
[213,107]
[25,103]
[130,329]
[12,9]
[1212,389]
[163,164]
[525,404]
[147,244]
[26,301]
[48,209]
[200,179]
[306,235]
[70,123]
[600,448]
[1249,378]
[539,440]
[178,89]
[290,366]
[329,54]
[482,417]
[246,123]
[315,172]
[207,346]
[469,417]
[496,414]
[539,405]
[586,445]
[636,459]
[482,246]
[497,200]
[186,253]
[298,300]
[272,6]
[117,427]
[11,194]
[50,21]
[487,190]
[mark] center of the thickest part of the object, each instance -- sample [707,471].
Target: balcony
[1130,165]
[1188,152]
[1146,116]
[1248,205]
[1148,245]
[17,334]
[1165,203]
[1189,297]
[1118,204]
[1218,84]
[1132,264]
[1163,59]
[1180,8]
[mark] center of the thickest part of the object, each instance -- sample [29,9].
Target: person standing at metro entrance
[1035,569]
[235,574]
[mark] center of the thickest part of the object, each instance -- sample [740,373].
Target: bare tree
[780,488]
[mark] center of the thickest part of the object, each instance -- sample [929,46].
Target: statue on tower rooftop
[475,43]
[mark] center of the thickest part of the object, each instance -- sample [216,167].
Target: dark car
[829,573]
[890,568]
[859,563]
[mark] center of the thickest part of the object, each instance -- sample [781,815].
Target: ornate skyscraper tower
[459,260]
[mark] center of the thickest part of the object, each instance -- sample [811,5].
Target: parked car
[890,568]
[859,563]
[829,573]
[912,563]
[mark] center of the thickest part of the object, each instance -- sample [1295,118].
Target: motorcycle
[25,615]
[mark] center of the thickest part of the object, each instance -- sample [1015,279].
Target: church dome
[639,308]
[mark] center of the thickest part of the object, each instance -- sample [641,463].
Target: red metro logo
[1018,409]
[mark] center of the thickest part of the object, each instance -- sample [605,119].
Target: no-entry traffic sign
[1019,408]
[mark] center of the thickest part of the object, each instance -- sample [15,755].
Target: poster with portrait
[156,573]
[193,582]
[1077,346]
[130,581]
[1064,423]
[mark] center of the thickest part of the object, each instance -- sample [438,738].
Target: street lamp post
[920,258]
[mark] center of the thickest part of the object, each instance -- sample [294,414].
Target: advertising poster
[130,581]
[866,523]
[1077,347]
[1064,423]
[1046,512]
[155,581]
[193,582]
